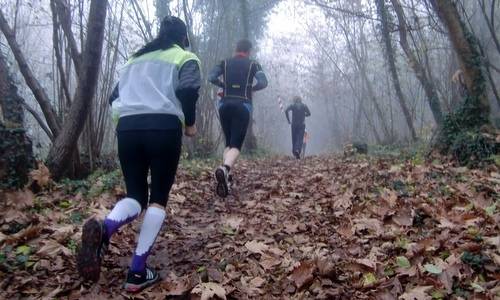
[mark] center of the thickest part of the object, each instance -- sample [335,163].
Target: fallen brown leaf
[302,275]
[256,247]
[208,290]
[418,293]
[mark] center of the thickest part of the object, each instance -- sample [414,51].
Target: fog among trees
[374,72]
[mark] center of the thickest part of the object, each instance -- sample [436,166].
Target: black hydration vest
[238,75]
[298,114]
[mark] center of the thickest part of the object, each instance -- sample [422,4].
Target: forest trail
[321,228]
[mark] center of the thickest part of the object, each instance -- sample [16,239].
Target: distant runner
[235,107]
[299,113]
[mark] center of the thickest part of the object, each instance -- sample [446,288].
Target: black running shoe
[221,175]
[136,281]
[94,245]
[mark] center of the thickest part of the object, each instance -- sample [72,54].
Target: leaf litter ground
[321,228]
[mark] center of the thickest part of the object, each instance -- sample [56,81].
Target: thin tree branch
[357,14]
[57,52]
[64,15]
[146,31]
[39,120]
[497,69]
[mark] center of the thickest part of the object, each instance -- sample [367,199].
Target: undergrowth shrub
[467,136]
[472,147]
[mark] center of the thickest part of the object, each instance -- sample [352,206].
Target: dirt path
[322,228]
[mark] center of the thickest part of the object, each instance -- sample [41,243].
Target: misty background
[328,52]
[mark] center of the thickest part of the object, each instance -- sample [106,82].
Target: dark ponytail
[154,45]
[172,31]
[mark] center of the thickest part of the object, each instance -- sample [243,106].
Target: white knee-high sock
[124,212]
[231,156]
[153,220]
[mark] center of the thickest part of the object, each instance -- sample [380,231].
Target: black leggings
[143,150]
[234,118]
[297,138]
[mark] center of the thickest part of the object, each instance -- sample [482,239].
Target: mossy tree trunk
[16,153]
[463,132]
[469,58]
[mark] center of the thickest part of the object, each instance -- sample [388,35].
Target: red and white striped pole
[280,102]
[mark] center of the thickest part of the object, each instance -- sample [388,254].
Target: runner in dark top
[299,113]
[235,107]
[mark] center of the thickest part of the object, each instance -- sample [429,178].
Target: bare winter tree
[422,74]
[66,142]
[391,60]
[65,134]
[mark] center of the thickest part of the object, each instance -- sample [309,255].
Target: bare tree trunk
[382,11]
[376,135]
[468,55]
[417,66]
[65,144]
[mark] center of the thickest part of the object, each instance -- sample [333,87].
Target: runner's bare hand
[190,131]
